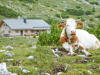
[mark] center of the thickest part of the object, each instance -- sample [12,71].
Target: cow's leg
[69,48]
[66,46]
[71,52]
[82,49]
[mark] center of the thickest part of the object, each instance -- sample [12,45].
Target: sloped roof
[31,24]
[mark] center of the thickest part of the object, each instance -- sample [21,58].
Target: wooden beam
[1,23]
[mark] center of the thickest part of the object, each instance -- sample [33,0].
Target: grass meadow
[44,59]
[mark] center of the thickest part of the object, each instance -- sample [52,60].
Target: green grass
[44,59]
[2,17]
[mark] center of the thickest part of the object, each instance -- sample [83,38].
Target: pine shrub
[51,38]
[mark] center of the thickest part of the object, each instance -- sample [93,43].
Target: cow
[72,38]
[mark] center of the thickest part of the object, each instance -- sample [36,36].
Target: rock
[86,2]
[93,60]
[34,46]
[4,71]
[54,52]
[47,74]
[41,5]
[94,67]
[9,59]
[59,73]
[89,72]
[14,74]
[59,52]
[35,68]
[82,56]
[2,50]
[20,67]
[25,71]
[9,47]
[9,54]
[30,57]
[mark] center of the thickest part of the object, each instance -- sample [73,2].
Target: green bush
[94,2]
[63,15]
[91,19]
[88,12]
[51,38]
[75,11]
[81,17]
[4,11]
[93,9]
[29,0]
[98,16]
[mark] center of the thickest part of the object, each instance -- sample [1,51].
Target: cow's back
[88,40]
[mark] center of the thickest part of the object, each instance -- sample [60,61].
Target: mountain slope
[49,8]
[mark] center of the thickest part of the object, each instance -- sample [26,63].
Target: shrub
[94,3]
[81,17]
[52,38]
[88,12]
[98,16]
[91,19]
[75,11]
[29,0]
[87,0]
[63,15]
[8,12]
[78,7]
[93,9]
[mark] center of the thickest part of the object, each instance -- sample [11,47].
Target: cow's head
[70,25]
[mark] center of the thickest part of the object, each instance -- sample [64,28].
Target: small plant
[93,9]
[51,38]
[63,15]
[94,2]
[7,12]
[88,12]
[75,11]
[98,16]
[29,0]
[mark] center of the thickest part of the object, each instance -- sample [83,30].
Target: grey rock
[30,57]
[25,71]
[9,47]
[4,71]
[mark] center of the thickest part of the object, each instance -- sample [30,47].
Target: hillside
[50,9]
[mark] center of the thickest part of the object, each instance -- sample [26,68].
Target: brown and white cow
[72,38]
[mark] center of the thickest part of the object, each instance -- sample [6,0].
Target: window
[32,31]
[26,31]
[16,31]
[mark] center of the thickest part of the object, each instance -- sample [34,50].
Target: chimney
[24,19]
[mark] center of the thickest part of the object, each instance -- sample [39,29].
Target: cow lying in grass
[72,38]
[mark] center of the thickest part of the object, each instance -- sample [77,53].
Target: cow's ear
[79,24]
[61,26]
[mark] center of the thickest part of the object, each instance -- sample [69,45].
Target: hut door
[21,32]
